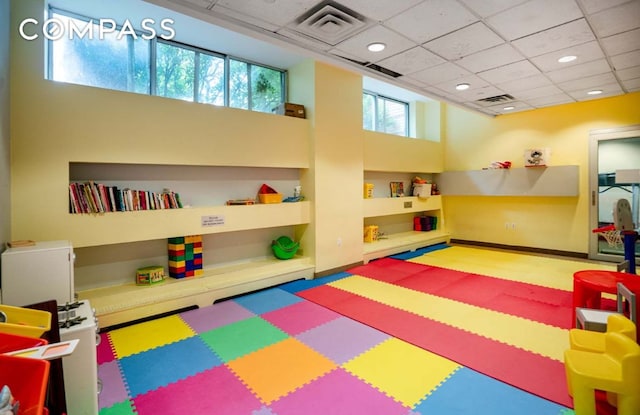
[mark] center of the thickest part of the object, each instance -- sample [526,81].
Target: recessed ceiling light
[376,47]
[568,58]
[595,92]
[462,87]
[509,108]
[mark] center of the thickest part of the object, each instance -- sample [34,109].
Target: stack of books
[91,197]
[425,223]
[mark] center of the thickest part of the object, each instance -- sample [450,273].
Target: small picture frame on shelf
[397,189]
[537,157]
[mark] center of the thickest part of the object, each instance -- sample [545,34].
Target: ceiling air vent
[497,99]
[329,22]
[385,71]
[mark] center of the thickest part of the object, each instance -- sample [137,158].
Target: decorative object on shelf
[371,233]
[500,165]
[537,157]
[368,190]
[185,256]
[20,243]
[425,223]
[297,195]
[267,194]
[397,189]
[421,187]
[91,197]
[284,247]
[150,275]
[238,202]
[290,110]
[434,189]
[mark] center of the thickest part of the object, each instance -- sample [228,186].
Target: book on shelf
[91,197]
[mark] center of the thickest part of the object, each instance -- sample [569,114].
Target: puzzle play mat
[373,340]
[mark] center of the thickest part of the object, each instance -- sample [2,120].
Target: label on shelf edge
[211,220]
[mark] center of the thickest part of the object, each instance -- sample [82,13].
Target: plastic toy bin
[25,321]
[13,342]
[27,379]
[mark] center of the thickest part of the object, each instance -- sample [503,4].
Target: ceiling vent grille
[497,99]
[330,23]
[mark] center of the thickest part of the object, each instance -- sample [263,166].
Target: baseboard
[336,270]
[571,254]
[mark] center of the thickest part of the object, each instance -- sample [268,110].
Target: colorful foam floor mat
[276,353]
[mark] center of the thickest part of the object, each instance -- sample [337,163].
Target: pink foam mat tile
[299,317]
[338,393]
[215,391]
[214,316]
[104,350]
[113,387]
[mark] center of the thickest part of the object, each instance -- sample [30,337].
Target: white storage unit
[37,273]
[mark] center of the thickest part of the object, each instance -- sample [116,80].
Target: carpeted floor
[276,353]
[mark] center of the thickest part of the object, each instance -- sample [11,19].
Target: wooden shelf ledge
[402,242]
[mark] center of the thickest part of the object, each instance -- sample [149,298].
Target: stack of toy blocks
[185,256]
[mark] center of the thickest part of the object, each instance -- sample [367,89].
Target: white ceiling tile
[608,90]
[586,52]
[200,3]
[357,44]
[510,72]
[523,84]
[550,100]
[486,8]
[464,42]
[588,82]
[412,60]
[474,81]
[440,73]
[561,37]
[250,20]
[431,19]
[490,58]
[617,19]
[379,9]
[411,81]
[517,106]
[599,66]
[622,42]
[527,18]
[277,12]
[485,92]
[626,60]
[632,84]
[538,92]
[306,40]
[628,73]
[594,6]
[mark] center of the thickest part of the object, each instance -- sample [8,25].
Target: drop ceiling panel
[440,73]
[379,10]
[586,52]
[490,58]
[622,42]
[431,19]
[561,37]
[486,8]
[594,6]
[539,92]
[629,73]
[464,42]
[550,100]
[597,67]
[412,60]
[526,18]
[609,90]
[626,60]
[632,84]
[587,83]
[523,84]
[617,19]
[510,72]
[278,12]
[357,44]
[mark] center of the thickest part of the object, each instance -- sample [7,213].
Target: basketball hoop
[611,235]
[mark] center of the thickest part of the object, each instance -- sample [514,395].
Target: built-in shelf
[524,181]
[384,206]
[401,242]
[128,302]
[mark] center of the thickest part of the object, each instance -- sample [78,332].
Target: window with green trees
[384,114]
[163,68]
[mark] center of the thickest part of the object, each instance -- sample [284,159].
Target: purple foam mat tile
[263,411]
[214,316]
[299,317]
[342,339]
[113,387]
[338,393]
[214,391]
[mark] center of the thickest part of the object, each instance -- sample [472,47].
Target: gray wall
[5,167]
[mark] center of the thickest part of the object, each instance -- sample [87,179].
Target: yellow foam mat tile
[264,371]
[544,271]
[519,332]
[401,370]
[148,335]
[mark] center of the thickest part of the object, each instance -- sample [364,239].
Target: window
[125,63]
[384,114]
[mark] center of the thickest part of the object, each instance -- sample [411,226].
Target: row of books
[91,197]
[425,223]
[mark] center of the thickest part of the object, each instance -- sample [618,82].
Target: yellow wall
[474,141]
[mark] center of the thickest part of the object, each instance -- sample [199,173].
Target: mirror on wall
[615,155]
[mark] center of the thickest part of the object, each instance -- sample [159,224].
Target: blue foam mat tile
[301,285]
[264,301]
[470,392]
[419,252]
[161,366]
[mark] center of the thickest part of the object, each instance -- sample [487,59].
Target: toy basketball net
[621,222]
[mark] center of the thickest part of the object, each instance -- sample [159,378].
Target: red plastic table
[588,286]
